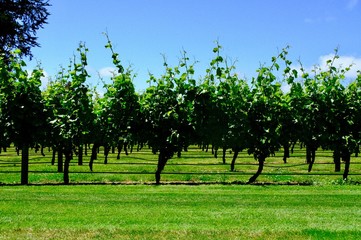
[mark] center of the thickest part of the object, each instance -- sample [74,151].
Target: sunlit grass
[180,212]
[329,209]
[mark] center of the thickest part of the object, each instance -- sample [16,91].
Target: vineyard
[254,127]
[193,167]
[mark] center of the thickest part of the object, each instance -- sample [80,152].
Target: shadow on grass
[150,183]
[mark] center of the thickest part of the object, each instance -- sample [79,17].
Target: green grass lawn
[328,209]
[180,212]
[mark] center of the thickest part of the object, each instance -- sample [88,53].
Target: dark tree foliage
[22,114]
[19,22]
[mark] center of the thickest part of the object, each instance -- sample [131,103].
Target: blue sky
[250,32]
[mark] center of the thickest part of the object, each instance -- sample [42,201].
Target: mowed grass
[195,166]
[180,212]
[276,208]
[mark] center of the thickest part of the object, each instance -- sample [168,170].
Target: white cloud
[44,79]
[341,62]
[285,87]
[351,4]
[309,20]
[107,71]
[327,19]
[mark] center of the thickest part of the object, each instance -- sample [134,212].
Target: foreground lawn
[183,212]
